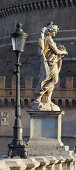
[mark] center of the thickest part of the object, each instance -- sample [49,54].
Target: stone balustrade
[39,163]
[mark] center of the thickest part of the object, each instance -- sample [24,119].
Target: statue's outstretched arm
[53,46]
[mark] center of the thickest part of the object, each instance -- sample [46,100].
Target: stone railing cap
[43,161]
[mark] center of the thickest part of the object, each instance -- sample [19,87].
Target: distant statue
[51,61]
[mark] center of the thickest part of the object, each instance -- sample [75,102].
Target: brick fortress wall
[64,97]
[31,14]
[8,95]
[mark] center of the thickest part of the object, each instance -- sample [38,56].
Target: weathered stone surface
[45,131]
[31,60]
[51,62]
[3,165]
[39,163]
[41,143]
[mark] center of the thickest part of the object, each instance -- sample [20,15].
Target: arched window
[53,100]
[5,102]
[12,102]
[60,103]
[42,6]
[20,102]
[73,103]
[66,103]
[32,100]
[0,102]
[46,4]
[26,102]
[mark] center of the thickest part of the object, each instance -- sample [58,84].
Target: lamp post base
[17,151]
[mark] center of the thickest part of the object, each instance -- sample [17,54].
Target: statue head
[52,29]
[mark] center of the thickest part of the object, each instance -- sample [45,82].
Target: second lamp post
[17,147]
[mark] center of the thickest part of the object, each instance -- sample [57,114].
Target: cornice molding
[35,5]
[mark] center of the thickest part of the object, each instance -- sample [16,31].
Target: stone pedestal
[46,124]
[45,133]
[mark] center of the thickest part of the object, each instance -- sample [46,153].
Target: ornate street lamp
[17,147]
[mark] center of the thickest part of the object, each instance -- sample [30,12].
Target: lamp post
[17,147]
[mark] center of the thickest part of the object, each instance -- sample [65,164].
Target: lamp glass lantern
[18,39]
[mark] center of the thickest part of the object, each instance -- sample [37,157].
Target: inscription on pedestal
[45,133]
[44,127]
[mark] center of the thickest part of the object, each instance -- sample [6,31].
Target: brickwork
[69,83]
[28,82]
[64,97]
[13,83]
[2,82]
[33,21]
[31,14]
[8,95]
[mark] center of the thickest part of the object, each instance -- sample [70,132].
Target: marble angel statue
[51,61]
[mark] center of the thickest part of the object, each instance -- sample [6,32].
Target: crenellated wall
[8,95]
[31,15]
[35,14]
[64,97]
